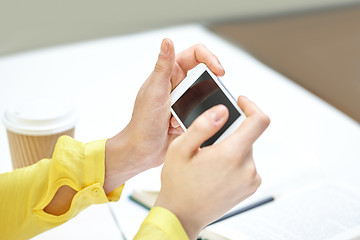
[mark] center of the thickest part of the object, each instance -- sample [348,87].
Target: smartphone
[198,92]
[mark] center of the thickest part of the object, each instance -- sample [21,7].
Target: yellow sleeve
[24,193]
[161,224]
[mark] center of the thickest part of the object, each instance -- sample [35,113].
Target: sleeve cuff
[167,222]
[82,167]
[95,169]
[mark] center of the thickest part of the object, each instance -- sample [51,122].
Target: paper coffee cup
[34,127]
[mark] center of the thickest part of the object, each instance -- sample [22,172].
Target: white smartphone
[198,92]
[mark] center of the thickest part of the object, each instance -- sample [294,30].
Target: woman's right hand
[201,185]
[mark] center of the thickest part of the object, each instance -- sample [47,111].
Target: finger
[256,121]
[177,76]
[191,57]
[205,126]
[252,127]
[248,106]
[174,123]
[165,63]
[175,131]
[180,130]
[175,127]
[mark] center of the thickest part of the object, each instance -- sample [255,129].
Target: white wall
[30,24]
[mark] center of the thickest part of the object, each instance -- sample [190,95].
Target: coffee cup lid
[40,117]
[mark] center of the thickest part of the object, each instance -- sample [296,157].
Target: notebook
[314,211]
[317,211]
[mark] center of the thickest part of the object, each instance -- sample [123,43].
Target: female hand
[144,141]
[200,185]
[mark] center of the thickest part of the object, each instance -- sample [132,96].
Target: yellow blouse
[24,193]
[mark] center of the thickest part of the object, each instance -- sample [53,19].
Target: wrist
[121,161]
[185,216]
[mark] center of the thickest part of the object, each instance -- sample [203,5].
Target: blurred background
[314,43]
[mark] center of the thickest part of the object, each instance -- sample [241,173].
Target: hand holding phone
[200,91]
[201,185]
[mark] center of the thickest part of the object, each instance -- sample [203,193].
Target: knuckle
[255,184]
[266,119]
[158,67]
[202,124]
[253,190]
[263,119]
[199,128]
[257,181]
[199,46]
[251,172]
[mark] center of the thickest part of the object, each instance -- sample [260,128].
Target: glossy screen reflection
[203,94]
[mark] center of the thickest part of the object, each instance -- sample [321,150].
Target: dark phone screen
[203,94]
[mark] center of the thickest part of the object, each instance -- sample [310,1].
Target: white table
[307,136]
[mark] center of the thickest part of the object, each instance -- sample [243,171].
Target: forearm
[47,194]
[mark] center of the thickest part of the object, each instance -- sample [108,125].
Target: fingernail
[174,123]
[217,113]
[221,67]
[164,48]
[242,96]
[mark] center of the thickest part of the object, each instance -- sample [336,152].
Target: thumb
[204,127]
[166,60]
